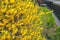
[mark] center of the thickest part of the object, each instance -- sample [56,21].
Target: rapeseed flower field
[22,20]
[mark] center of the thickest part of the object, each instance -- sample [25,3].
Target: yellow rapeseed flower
[6,1]
[42,13]
[3,10]
[20,20]
[13,26]
[11,11]
[14,31]
[12,1]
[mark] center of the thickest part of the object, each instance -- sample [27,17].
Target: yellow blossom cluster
[20,20]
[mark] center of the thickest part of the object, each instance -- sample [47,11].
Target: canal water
[56,14]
